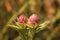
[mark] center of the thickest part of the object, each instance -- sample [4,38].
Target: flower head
[22,19]
[33,19]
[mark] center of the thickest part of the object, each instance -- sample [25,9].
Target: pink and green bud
[33,19]
[22,19]
[48,22]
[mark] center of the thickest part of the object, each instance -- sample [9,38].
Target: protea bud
[48,22]
[22,19]
[33,19]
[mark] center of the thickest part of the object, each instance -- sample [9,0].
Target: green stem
[55,18]
[44,25]
[31,33]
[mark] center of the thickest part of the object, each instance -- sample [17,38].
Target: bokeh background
[45,9]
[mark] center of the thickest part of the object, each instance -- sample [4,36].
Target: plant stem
[44,25]
[31,33]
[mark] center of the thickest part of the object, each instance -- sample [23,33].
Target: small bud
[22,19]
[33,19]
[48,22]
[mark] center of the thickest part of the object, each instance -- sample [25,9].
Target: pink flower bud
[48,22]
[22,19]
[33,19]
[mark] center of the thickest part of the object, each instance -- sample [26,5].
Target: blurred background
[45,9]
